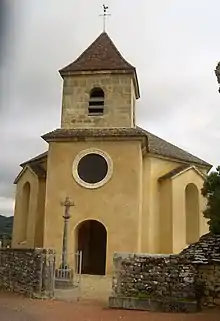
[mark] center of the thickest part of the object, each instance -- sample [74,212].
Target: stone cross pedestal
[67,204]
[64,274]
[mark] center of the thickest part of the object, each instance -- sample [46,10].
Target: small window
[96,102]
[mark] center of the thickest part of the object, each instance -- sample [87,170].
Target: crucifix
[67,204]
[104,15]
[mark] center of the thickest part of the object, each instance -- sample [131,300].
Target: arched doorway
[192,213]
[91,238]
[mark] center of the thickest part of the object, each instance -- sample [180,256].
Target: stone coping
[154,305]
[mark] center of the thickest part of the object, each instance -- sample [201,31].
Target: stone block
[27,271]
[155,305]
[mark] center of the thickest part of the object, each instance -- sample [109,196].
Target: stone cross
[104,15]
[67,204]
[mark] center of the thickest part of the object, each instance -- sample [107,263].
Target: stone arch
[96,101]
[91,239]
[26,193]
[192,213]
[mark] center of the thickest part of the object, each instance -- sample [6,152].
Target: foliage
[6,226]
[211,191]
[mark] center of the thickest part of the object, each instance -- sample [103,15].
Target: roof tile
[156,145]
[102,54]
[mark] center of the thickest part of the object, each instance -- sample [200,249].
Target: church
[132,191]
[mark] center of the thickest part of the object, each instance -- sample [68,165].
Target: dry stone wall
[27,271]
[209,280]
[189,280]
[154,276]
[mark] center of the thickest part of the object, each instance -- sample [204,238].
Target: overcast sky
[174,45]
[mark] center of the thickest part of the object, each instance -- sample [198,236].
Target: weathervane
[104,15]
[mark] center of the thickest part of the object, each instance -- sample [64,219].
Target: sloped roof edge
[36,158]
[179,171]
[155,145]
[101,54]
[22,173]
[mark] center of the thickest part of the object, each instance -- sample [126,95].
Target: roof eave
[38,158]
[181,160]
[132,70]
[172,176]
[82,72]
[22,172]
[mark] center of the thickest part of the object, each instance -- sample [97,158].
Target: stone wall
[118,105]
[184,282]
[205,255]
[27,271]
[159,276]
[209,282]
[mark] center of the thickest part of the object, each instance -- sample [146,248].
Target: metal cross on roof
[104,15]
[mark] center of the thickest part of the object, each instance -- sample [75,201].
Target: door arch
[91,236]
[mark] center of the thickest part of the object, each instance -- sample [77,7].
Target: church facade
[132,191]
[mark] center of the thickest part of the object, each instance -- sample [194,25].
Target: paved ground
[17,308]
[92,287]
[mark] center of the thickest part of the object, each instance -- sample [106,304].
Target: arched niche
[26,192]
[192,213]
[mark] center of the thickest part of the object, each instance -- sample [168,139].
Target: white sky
[173,44]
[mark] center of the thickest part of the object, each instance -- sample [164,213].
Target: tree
[217,73]
[211,191]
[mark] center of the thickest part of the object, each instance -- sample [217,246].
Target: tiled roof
[102,54]
[36,158]
[155,145]
[35,164]
[160,146]
[94,132]
[38,170]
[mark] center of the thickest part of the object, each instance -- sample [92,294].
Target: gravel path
[17,308]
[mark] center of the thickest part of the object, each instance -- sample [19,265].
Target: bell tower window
[96,102]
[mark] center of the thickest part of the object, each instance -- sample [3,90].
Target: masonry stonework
[119,97]
[155,275]
[27,271]
[184,283]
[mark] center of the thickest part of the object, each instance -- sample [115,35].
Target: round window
[92,168]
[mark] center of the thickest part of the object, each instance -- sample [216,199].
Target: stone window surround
[80,156]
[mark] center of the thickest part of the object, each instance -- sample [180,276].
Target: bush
[211,191]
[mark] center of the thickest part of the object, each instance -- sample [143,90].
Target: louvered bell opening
[96,106]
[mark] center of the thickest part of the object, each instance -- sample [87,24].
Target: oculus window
[92,168]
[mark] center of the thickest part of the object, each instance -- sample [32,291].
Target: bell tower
[100,88]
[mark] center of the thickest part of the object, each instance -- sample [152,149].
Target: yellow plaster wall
[30,177]
[153,168]
[165,217]
[39,225]
[179,218]
[116,204]
[118,89]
